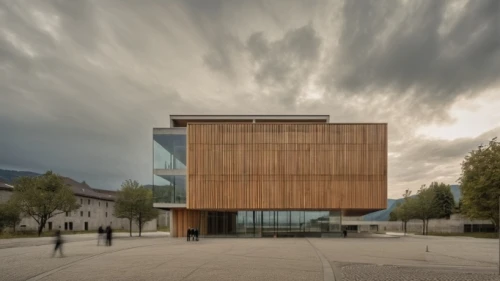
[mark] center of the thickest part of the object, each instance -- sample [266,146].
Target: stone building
[96,209]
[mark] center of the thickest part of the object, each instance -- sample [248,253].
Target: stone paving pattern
[362,272]
[158,257]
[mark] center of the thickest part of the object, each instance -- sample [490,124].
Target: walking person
[109,235]
[58,241]
[100,235]
[196,232]
[189,232]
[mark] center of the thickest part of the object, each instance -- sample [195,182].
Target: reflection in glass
[169,189]
[169,152]
[270,223]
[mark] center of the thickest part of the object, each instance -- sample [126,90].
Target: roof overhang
[183,120]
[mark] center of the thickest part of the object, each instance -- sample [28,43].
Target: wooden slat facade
[271,166]
[183,219]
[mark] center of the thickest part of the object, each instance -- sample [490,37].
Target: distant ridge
[8,176]
[383,215]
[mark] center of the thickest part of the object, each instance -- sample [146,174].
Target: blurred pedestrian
[58,241]
[189,233]
[196,232]
[100,235]
[109,235]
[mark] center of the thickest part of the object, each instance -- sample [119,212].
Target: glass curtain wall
[169,151]
[270,223]
[169,189]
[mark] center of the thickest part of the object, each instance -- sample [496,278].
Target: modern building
[96,209]
[258,176]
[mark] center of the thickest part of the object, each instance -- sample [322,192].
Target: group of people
[192,233]
[105,233]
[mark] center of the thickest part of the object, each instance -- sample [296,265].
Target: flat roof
[182,120]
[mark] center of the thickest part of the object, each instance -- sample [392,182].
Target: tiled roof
[79,189]
[82,189]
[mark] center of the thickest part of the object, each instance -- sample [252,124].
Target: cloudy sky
[82,83]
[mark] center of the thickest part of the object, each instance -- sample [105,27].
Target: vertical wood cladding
[184,219]
[287,166]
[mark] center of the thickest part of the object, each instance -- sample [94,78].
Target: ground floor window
[269,223]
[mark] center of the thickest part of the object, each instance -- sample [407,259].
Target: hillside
[383,215]
[8,176]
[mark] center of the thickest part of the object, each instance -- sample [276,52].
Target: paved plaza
[159,257]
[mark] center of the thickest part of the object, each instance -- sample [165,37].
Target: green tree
[393,216]
[145,211]
[404,211]
[480,182]
[423,207]
[135,203]
[43,197]
[10,215]
[443,200]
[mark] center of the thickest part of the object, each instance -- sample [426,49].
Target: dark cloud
[82,83]
[423,49]
[285,65]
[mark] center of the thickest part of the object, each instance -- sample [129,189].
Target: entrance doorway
[50,225]
[86,226]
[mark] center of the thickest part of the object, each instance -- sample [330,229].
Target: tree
[43,197]
[423,207]
[480,182]
[145,210]
[404,211]
[135,203]
[10,215]
[443,200]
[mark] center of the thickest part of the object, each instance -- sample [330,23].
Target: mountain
[8,176]
[383,215]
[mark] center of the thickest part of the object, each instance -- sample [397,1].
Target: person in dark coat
[109,235]
[345,233]
[58,242]
[100,235]
[196,232]
[189,233]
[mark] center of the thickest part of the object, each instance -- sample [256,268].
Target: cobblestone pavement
[370,272]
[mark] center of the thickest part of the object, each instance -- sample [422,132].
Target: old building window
[89,214]
[106,214]
[81,213]
[67,214]
[81,201]
[99,203]
[106,204]
[89,201]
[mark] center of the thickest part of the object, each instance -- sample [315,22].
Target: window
[81,201]
[106,214]
[89,214]
[99,203]
[89,201]
[81,213]
[106,204]
[67,214]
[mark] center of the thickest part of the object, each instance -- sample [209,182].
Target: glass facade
[169,151]
[169,189]
[271,223]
